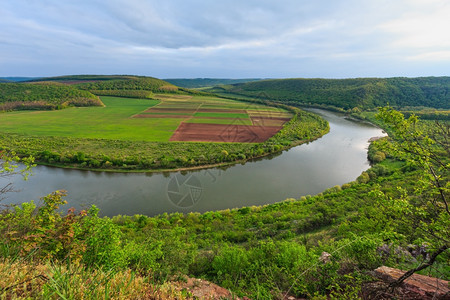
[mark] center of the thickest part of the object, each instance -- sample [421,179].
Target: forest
[362,93]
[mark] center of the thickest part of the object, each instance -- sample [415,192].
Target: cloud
[285,38]
[421,31]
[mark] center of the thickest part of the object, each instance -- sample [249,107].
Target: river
[338,157]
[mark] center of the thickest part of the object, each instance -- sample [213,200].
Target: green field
[115,121]
[111,122]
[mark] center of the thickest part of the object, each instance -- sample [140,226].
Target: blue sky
[226,39]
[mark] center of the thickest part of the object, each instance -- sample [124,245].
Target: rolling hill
[364,93]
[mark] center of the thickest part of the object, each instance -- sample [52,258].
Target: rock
[389,251]
[205,290]
[325,257]
[417,286]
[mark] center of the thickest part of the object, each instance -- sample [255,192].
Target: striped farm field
[132,119]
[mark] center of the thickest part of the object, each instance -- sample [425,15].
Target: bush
[103,241]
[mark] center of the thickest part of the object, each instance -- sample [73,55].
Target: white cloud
[436,56]
[422,30]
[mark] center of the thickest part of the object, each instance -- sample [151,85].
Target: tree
[9,166]
[426,209]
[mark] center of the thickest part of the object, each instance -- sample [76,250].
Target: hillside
[193,83]
[365,93]
[43,95]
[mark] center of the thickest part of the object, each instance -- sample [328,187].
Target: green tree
[425,210]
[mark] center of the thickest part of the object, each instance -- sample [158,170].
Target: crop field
[163,119]
[209,119]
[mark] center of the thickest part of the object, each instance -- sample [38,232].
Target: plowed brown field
[193,132]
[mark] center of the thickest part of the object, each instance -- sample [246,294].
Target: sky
[226,39]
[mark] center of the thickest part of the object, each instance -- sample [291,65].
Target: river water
[338,157]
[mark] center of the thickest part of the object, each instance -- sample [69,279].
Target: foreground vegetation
[394,214]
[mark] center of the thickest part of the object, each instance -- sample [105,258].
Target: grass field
[154,121]
[111,122]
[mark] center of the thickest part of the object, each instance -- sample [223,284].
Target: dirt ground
[268,121]
[161,116]
[170,110]
[223,133]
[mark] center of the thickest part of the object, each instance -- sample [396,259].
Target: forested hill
[43,95]
[115,82]
[349,93]
[193,83]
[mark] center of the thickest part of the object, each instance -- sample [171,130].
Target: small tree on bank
[425,211]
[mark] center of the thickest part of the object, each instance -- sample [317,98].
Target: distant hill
[113,82]
[192,83]
[17,79]
[349,93]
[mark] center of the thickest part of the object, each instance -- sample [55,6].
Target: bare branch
[409,273]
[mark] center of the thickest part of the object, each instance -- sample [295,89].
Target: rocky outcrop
[417,286]
[205,290]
